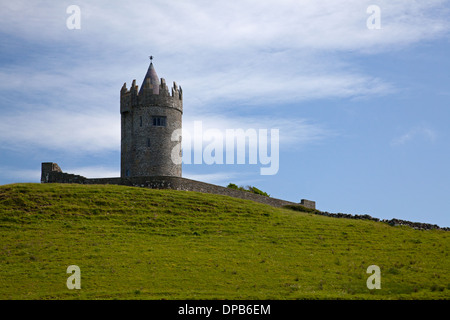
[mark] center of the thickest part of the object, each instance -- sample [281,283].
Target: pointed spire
[151,78]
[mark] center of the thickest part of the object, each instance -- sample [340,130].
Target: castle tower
[151,128]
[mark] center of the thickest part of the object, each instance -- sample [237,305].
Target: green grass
[137,243]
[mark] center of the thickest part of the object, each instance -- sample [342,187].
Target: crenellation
[163,83]
[176,92]
[163,90]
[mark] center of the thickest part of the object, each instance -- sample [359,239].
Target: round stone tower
[151,128]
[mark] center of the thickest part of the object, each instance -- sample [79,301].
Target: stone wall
[393,222]
[164,182]
[177,183]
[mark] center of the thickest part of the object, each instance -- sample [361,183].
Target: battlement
[151,94]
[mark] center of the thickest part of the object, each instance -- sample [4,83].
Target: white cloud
[416,133]
[217,25]
[76,132]
[293,131]
[260,51]
[266,84]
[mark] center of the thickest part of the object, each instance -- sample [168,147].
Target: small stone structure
[51,172]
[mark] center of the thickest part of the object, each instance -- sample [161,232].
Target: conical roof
[152,78]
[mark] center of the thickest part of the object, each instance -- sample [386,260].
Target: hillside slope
[136,243]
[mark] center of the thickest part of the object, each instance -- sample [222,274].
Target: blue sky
[363,114]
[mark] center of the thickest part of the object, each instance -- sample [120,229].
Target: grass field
[137,243]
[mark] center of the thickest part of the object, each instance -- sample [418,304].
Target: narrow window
[127,173]
[148,142]
[140,121]
[159,121]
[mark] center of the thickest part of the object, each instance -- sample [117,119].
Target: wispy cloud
[187,26]
[268,52]
[293,131]
[272,84]
[417,133]
[81,132]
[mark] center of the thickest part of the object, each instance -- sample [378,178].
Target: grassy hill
[136,243]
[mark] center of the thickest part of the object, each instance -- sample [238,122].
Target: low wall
[177,183]
[51,173]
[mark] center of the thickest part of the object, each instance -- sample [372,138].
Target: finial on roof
[150,79]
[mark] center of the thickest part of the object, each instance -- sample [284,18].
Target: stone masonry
[151,122]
